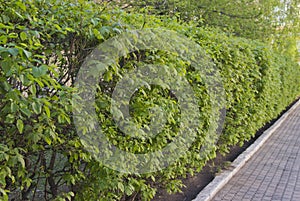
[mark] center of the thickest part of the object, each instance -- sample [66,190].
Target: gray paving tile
[272,173]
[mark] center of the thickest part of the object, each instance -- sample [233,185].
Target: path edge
[220,180]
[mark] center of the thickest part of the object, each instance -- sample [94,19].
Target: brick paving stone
[266,198]
[273,172]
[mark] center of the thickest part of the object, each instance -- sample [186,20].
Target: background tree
[275,21]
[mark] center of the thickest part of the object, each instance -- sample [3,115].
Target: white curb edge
[219,181]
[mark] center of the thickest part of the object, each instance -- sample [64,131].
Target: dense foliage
[276,22]
[42,46]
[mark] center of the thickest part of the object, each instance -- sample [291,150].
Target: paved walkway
[273,172]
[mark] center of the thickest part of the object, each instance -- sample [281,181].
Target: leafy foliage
[42,46]
[275,21]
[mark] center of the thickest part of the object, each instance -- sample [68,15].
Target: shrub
[42,46]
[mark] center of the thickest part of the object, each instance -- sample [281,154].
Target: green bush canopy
[43,44]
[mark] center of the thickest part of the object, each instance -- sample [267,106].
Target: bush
[43,45]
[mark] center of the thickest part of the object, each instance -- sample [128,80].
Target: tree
[274,21]
[287,31]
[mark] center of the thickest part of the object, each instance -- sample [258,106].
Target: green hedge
[42,46]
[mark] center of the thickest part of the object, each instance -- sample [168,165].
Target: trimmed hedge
[42,46]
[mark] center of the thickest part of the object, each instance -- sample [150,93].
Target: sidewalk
[273,172]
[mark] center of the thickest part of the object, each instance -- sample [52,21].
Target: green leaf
[19,15]
[21,160]
[6,86]
[47,111]
[121,187]
[27,54]
[4,26]
[57,27]
[4,194]
[26,111]
[23,36]
[13,107]
[105,30]
[32,89]
[21,5]
[3,39]
[37,108]
[47,140]
[39,71]
[13,51]
[20,125]
[34,137]
[98,34]
[129,190]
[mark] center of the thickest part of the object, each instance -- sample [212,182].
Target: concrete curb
[219,181]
